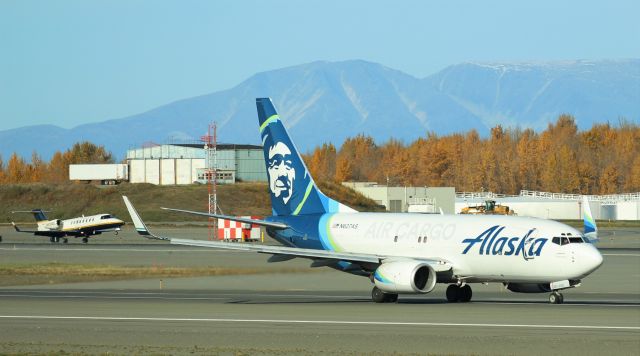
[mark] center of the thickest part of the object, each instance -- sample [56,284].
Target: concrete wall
[628,210]
[250,166]
[398,199]
[164,171]
[184,171]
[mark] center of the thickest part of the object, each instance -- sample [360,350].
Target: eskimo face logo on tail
[282,174]
[491,243]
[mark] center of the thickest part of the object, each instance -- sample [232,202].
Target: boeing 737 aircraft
[83,226]
[403,253]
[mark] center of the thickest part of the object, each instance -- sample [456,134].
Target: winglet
[15,226]
[141,227]
[590,227]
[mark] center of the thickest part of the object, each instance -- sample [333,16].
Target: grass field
[55,273]
[70,200]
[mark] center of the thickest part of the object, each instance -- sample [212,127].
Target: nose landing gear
[556,298]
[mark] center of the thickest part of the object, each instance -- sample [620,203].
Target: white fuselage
[94,222]
[480,248]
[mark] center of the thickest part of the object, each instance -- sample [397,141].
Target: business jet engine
[405,276]
[53,224]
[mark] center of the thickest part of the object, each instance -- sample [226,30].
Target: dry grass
[71,200]
[54,273]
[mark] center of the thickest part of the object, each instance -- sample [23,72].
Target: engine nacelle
[529,287]
[405,277]
[53,225]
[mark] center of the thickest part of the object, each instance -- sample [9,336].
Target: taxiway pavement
[320,312]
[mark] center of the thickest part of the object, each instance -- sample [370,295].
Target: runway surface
[320,312]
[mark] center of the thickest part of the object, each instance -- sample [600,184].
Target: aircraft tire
[85,240]
[466,293]
[52,239]
[453,293]
[556,298]
[379,296]
[391,298]
[65,240]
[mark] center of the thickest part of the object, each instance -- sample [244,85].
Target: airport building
[172,164]
[544,205]
[558,206]
[408,199]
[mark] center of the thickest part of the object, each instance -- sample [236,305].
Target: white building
[185,164]
[559,206]
[407,199]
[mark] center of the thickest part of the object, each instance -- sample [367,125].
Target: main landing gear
[379,296]
[556,298]
[85,240]
[53,239]
[456,293]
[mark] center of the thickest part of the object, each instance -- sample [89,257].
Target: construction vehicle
[488,208]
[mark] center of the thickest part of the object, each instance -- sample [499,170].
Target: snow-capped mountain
[329,101]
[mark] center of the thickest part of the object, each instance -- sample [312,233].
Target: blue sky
[72,62]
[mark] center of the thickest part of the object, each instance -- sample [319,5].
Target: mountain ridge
[326,101]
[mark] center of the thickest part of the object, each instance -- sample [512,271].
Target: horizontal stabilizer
[272,224]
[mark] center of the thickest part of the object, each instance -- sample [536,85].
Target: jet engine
[529,287]
[53,224]
[405,277]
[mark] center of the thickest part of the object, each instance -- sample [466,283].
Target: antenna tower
[211,175]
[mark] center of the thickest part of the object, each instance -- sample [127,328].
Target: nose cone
[592,258]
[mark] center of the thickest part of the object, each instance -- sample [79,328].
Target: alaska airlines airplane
[403,253]
[84,226]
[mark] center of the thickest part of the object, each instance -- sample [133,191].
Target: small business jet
[83,226]
[403,253]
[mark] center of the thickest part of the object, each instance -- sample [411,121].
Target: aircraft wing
[284,251]
[295,252]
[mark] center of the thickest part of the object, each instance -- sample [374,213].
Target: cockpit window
[105,217]
[563,240]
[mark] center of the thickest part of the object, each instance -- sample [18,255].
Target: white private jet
[403,253]
[84,226]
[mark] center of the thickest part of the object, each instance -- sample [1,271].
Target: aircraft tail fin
[590,227]
[292,189]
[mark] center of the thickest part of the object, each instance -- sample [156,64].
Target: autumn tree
[16,169]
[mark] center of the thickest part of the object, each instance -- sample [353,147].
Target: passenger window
[395,239]
[419,239]
[424,239]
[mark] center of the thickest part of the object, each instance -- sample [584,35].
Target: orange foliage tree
[602,160]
